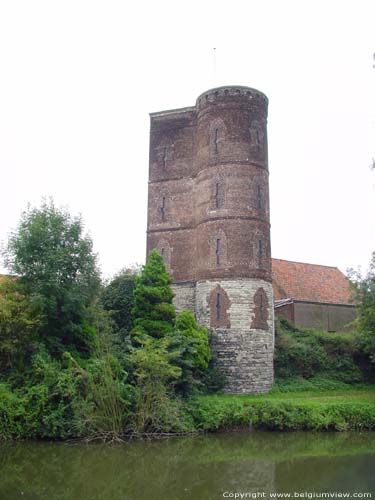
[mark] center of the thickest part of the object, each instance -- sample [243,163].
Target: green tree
[153,312]
[18,325]
[118,299]
[157,348]
[191,340]
[57,268]
[364,292]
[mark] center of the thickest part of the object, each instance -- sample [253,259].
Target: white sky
[78,79]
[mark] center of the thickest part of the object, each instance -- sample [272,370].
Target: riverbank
[314,410]
[310,408]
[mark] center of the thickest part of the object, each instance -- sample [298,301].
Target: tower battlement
[227,93]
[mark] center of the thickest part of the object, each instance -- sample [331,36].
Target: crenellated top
[232,93]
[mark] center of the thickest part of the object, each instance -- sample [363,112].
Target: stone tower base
[243,331]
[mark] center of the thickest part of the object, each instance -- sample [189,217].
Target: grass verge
[317,410]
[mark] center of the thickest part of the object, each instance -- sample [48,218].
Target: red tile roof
[309,283]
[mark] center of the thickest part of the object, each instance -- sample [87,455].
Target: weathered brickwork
[208,215]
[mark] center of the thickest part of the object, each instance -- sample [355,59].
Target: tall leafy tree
[364,291]
[56,265]
[118,299]
[154,354]
[153,312]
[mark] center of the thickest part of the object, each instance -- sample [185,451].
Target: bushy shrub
[156,408]
[11,413]
[68,397]
[192,343]
[19,325]
[48,405]
[310,353]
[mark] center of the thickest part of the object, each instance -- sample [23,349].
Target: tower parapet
[228,92]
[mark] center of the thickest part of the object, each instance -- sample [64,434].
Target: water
[195,468]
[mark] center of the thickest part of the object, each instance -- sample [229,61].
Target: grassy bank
[323,382]
[318,410]
[310,408]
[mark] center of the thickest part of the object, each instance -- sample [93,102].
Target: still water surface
[209,467]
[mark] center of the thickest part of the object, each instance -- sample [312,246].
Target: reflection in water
[196,468]
[341,474]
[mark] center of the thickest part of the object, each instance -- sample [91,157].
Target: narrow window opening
[164,250]
[216,139]
[257,136]
[217,251]
[165,155]
[261,308]
[260,252]
[259,197]
[162,210]
[218,306]
[217,196]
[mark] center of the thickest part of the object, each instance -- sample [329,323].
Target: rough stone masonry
[208,215]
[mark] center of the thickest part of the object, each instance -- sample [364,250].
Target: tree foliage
[118,299]
[57,268]
[68,367]
[19,323]
[191,340]
[310,354]
[155,372]
[196,336]
[364,291]
[154,313]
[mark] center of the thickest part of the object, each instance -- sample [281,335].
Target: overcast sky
[78,80]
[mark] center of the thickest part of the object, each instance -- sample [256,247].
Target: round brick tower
[233,259]
[208,214]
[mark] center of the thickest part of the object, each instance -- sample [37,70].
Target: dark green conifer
[154,314]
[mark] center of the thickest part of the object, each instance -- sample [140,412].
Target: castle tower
[209,217]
